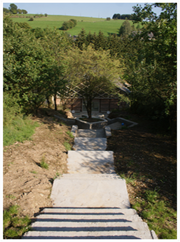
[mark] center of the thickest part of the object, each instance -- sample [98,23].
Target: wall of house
[104,104]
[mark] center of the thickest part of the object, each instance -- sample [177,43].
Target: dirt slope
[25,183]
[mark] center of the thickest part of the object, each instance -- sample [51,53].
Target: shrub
[74,21]
[14,226]
[108,19]
[31,19]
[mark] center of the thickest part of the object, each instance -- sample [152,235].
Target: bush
[108,19]
[69,24]
[31,19]
[14,226]
[65,26]
[74,21]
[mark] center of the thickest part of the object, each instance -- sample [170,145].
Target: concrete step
[89,226]
[83,143]
[88,235]
[88,211]
[90,176]
[88,223]
[91,133]
[91,192]
[84,162]
[88,218]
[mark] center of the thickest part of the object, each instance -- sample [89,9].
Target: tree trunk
[49,103]
[55,105]
[89,103]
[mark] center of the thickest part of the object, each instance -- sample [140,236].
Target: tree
[116,16]
[81,39]
[56,46]
[13,8]
[5,10]
[151,69]
[125,29]
[24,11]
[92,71]
[25,66]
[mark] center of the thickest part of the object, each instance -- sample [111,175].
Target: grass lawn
[147,160]
[88,24]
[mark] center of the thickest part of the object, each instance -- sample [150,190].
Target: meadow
[88,24]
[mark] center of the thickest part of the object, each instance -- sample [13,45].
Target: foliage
[14,226]
[69,24]
[151,67]
[24,25]
[125,29]
[13,8]
[5,10]
[32,69]
[92,72]
[123,16]
[31,19]
[56,45]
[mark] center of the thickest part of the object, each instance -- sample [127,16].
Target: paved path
[91,201]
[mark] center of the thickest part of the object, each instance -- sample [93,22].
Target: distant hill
[88,24]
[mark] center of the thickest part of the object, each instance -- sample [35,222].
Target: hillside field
[88,24]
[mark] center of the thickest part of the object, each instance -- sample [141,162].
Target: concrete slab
[90,193]
[115,126]
[74,130]
[108,131]
[83,143]
[99,133]
[84,162]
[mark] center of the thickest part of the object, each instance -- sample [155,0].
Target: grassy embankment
[88,24]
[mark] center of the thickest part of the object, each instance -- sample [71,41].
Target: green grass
[67,146]
[19,130]
[14,226]
[154,210]
[43,164]
[34,172]
[88,24]
[69,134]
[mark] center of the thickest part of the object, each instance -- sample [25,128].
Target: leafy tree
[19,11]
[24,25]
[116,16]
[81,39]
[13,8]
[56,46]
[5,10]
[24,11]
[74,21]
[125,29]
[151,68]
[25,66]
[92,71]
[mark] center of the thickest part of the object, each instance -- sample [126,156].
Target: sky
[100,9]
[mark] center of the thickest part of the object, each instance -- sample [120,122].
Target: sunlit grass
[14,226]
[19,130]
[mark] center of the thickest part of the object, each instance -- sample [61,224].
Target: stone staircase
[91,202]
